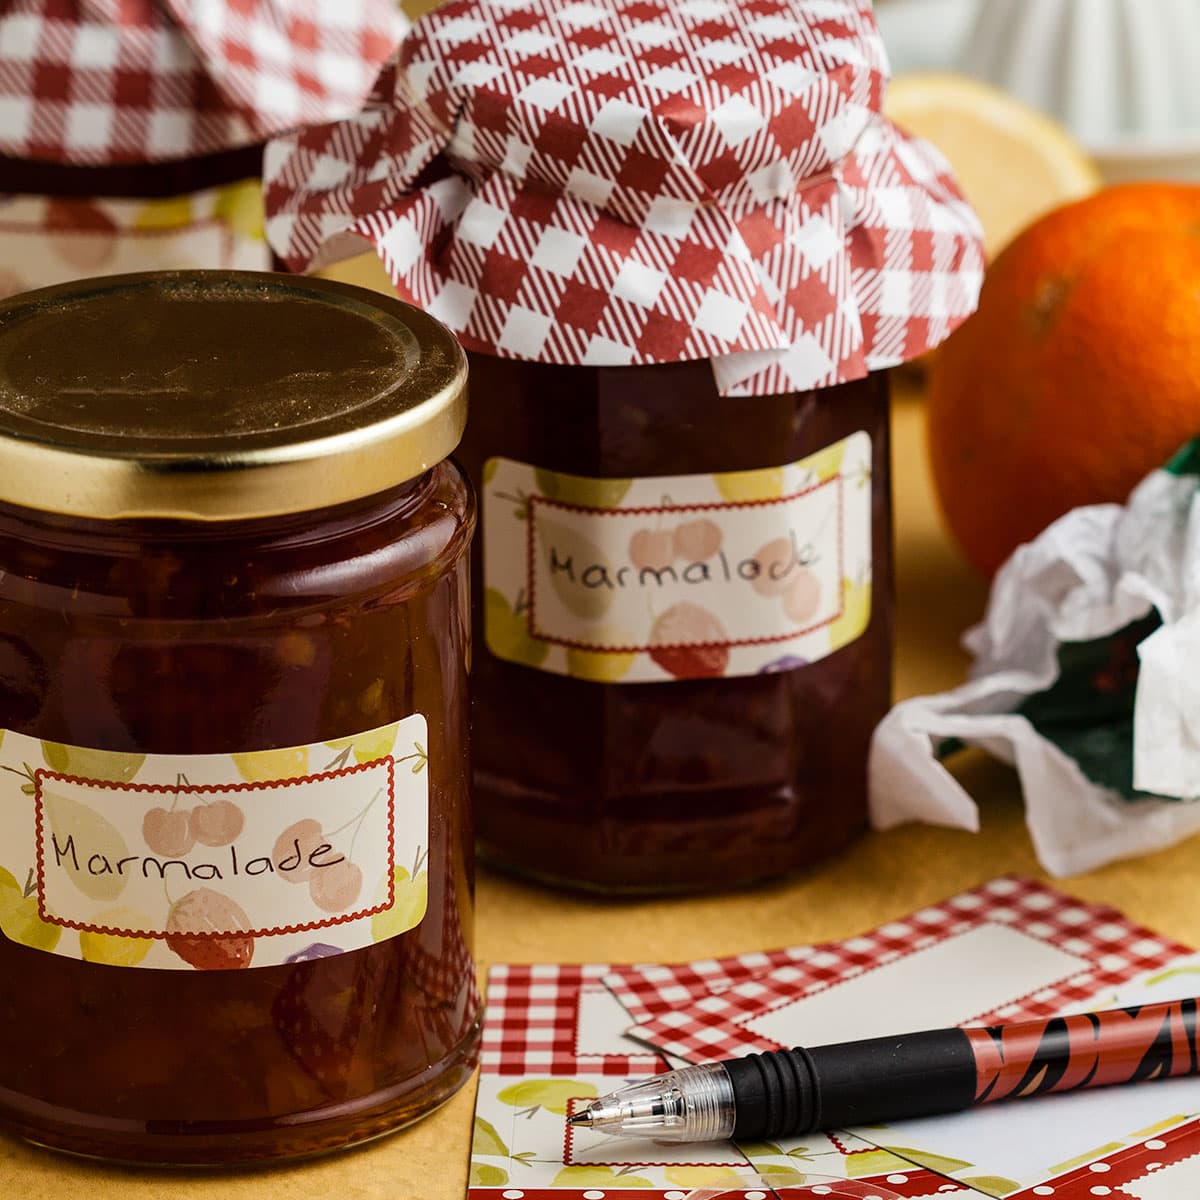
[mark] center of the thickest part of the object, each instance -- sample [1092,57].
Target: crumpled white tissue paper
[1090,575]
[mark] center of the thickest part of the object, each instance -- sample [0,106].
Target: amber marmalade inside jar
[173,636]
[688,784]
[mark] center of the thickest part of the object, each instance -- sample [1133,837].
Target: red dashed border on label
[40,776]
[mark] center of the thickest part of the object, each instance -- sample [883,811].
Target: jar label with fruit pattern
[681,576]
[214,861]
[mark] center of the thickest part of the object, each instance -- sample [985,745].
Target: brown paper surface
[883,876]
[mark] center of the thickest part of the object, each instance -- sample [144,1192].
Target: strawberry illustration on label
[687,641]
[204,910]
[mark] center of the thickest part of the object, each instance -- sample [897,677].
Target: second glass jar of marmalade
[235,840]
[682,247]
[687,618]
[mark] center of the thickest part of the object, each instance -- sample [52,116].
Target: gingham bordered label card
[681,576]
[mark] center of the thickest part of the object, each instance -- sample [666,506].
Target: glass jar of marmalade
[235,840]
[683,671]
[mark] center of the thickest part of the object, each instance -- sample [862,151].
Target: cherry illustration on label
[216,824]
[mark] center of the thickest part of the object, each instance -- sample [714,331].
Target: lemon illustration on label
[114,949]
[762,1149]
[369,747]
[855,615]
[263,766]
[943,1164]
[827,464]
[240,206]
[86,847]
[598,1177]
[764,484]
[114,766]
[579,489]
[172,213]
[993,1185]
[19,918]
[702,1176]
[553,1095]
[779,1173]
[408,909]
[603,666]
[487,1175]
[487,1140]
[507,632]
[572,559]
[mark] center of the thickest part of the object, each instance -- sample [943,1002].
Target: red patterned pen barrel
[1123,1045]
[918,1074]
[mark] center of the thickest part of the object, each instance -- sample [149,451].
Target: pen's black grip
[789,1092]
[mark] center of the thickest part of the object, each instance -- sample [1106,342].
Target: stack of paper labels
[556,1036]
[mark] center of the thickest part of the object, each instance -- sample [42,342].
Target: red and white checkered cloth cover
[644,181]
[710,1025]
[134,81]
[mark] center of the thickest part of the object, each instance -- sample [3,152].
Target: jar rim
[219,395]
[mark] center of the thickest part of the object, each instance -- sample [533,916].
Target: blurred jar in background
[131,134]
[1120,75]
[1117,75]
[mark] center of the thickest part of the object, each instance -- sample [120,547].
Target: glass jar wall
[672,783]
[197,692]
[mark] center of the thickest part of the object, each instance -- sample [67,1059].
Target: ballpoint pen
[787,1092]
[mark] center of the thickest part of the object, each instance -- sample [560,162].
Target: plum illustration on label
[214,862]
[678,577]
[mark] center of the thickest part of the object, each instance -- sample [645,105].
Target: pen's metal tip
[583,1119]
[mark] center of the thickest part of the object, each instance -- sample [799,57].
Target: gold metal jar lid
[219,395]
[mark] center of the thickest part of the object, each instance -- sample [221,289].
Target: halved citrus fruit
[1013,163]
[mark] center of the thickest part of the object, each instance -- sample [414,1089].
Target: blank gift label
[946,984]
[678,577]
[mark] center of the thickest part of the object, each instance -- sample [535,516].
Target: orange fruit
[1080,372]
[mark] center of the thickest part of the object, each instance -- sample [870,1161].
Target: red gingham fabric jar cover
[107,82]
[644,181]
